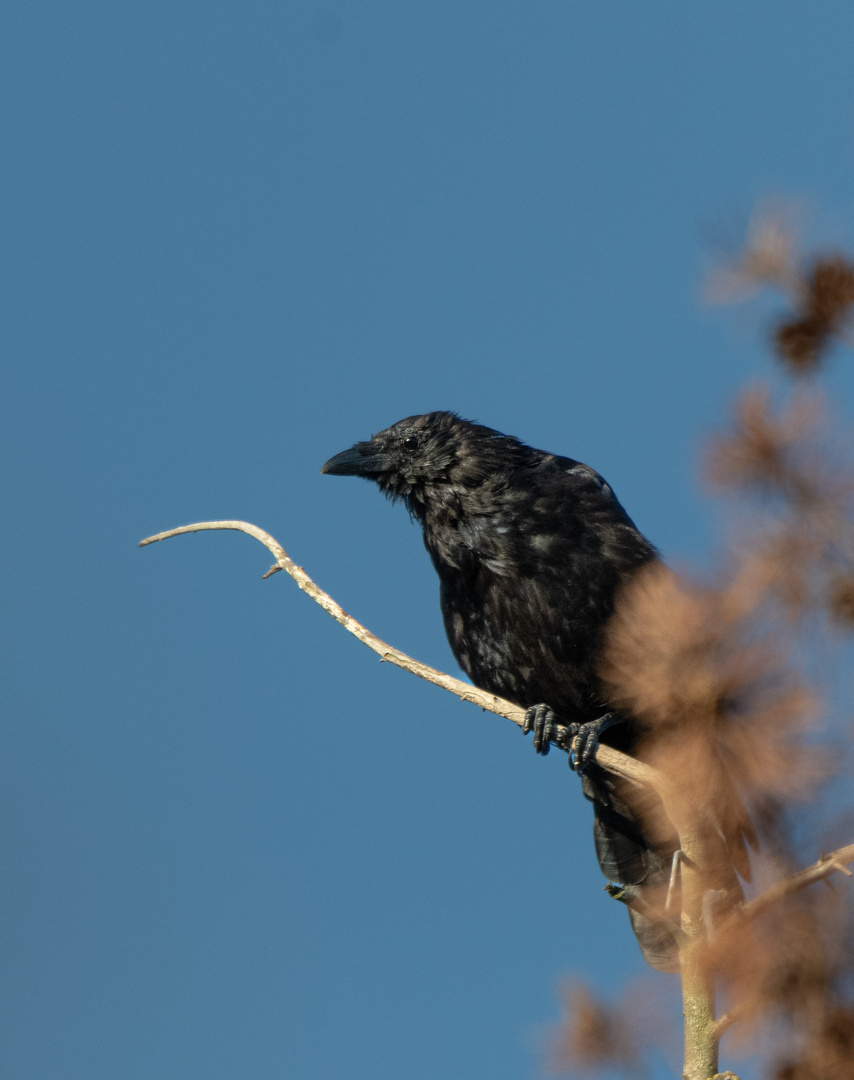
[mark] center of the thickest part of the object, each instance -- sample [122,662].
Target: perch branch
[606,756]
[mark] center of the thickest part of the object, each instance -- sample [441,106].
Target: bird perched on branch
[531,550]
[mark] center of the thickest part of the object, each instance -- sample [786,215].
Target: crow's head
[417,457]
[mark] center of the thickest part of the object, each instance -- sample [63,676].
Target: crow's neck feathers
[484,498]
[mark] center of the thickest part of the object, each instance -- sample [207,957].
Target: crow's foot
[585,741]
[542,721]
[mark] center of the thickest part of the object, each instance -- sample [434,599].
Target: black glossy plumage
[530,549]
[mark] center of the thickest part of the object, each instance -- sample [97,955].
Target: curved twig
[606,756]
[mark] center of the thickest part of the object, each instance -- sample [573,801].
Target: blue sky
[236,238]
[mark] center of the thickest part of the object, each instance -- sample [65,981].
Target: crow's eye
[410,442]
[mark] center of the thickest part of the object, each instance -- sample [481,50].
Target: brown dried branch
[606,756]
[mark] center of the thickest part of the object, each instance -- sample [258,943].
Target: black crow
[531,549]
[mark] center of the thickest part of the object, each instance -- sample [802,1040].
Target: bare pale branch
[606,756]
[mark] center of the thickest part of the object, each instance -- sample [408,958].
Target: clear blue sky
[235,239]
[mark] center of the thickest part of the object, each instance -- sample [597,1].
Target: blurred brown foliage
[788,454]
[787,974]
[598,1035]
[716,670]
[830,1052]
[828,295]
[818,290]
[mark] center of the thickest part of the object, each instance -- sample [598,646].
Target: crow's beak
[360,460]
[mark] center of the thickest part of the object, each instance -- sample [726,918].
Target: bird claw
[585,742]
[581,740]
[542,721]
